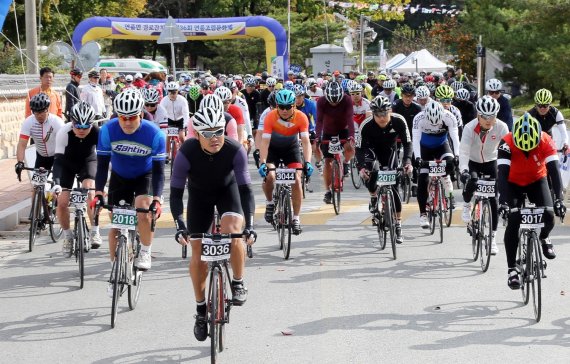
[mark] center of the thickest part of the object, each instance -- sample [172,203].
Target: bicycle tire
[407,189]
[184,251]
[336,183]
[214,311]
[80,248]
[281,223]
[440,211]
[224,314]
[55,229]
[354,175]
[135,281]
[380,223]
[431,217]
[117,280]
[391,221]
[447,210]
[485,235]
[536,279]
[35,219]
[288,221]
[474,223]
[522,257]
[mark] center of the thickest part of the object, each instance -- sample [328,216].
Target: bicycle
[216,250]
[386,221]
[480,228]
[437,204]
[43,211]
[173,144]
[124,273]
[357,181]
[404,179]
[337,177]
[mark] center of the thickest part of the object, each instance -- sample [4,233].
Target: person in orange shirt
[46,82]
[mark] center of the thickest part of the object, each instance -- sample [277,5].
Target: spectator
[120,83]
[46,83]
[93,95]
[108,86]
[139,81]
[72,91]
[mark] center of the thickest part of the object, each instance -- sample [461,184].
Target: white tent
[419,60]
[394,60]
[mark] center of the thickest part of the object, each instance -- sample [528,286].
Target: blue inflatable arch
[266,28]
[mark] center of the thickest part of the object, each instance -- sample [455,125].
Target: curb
[12,216]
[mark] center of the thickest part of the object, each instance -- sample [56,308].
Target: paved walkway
[11,190]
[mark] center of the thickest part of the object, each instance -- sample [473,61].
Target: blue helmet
[299,90]
[285,97]
[289,85]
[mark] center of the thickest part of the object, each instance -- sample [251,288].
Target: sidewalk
[14,195]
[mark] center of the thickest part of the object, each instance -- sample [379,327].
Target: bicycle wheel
[172,153]
[215,310]
[336,186]
[80,248]
[474,228]
[35,219]
[439,211]
[55,229]
[485,235]
[390,220]
[535,279]
[447,210]
[354,175]
[225,314]
[431,217]
[117,279]
[281,221]
[522,262]
[407,189]
[287,222]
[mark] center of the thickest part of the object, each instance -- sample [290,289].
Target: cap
[138,75]
[129,78]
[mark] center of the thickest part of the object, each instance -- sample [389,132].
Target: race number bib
[78,199]
[213,251]
[436,168]
[386,178]
[335,147]
[39,178]
[172,131]
[532,218]
[285,176]
[124,218]
[485,188]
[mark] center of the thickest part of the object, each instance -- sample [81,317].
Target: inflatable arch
[266,28]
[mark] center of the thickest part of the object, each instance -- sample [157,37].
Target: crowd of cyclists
[381,120]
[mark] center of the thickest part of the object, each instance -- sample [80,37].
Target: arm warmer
[503,183]
[157,177]
[247,204]
[553,169]
[177,207]
[57,167]
[102,171]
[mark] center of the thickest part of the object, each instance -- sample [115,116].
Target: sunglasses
[445,100]
[209,134]
[380,113]
[355,93]
[487,117]
[128,118]
[40,112]
[173,91]
[150,104]
[285,107]
[542,106]
[81,126]
[494,92]
[227,102]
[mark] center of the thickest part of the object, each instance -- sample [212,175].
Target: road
[339,300]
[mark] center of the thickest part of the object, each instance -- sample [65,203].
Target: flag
[4,7]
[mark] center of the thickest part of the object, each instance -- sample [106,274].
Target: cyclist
[466,107]
[92,94]
[430,140]
[272,106]
[334,117]
[307,107]
[157,112]
[42,127]
[445,94]
[136,150]
[526,157]
[237,100]
[478,155]
[423,96]
[75,155]
[214,101]
[378,136]
[253,98]
[280,141]
[548,116]
[313,91]
[216,168]
[178,113]
[270,83]
[234,110]
[493,87]
[388,90]
[360,105]
[72,91]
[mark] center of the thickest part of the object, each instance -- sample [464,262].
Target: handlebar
[138,209]
[223,236]
[32,169]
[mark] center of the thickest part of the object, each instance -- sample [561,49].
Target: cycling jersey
[177,109]
[159,117]
[252,99]
[315,95]
[74,155]
[360,110]
[285,134]
[309,108]
[553,118]
[466,109]
[331,120]
[408,112]
[427,135]
[240,101]
[43,134]
[392,97]
[262,118]
[457,114]
[526,167]
[93,95]
[480,146]
[505,113]
[237,113]
[71,97]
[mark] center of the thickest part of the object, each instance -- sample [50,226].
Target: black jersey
[547,121]
[252,100]
[408,112]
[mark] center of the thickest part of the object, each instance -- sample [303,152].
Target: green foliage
[11,62]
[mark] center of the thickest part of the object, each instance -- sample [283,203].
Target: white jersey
[160,117]
[177,109]
[93,95]
[455,111]
[428,135]
[391,97]
[44,134]
[262,118]
[479,146]
[315,95]
[240,101]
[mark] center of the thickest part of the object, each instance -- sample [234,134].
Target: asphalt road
[338,299]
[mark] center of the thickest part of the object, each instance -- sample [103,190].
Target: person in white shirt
[93,95]
[159,115]
[313,91]
[176,108]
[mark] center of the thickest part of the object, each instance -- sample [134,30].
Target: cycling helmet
[223,93]
[333,92]
[299,90]
[456,85]
[422,92]
[434,112]
[239,84]
[526,133]
[229,83]
[75,72]
[270,81]
[172,86]
[390,84]
[93,73]
[250,81]
[361,78]
[289,85]
[311,82]
[380,103]
[82,113]
[285,97]
[408,88]
[463,94]
[430,86]
[39,102]
[150,95]
[129,102]
[194,92]
[444,92]
[208,118]
[493,85]
[212,101]
[487,106]
[354,86]
[428,78]
[271,99]
[344,83]
[543,97]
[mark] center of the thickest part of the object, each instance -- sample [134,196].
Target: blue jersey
[132,154]
[309,108]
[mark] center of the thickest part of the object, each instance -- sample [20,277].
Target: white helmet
[353,86]
[487,106]
[493,85]
[434,112]
[212,101]
[422,92]
[129,102]
[82,113]
[270,81]
[389,84]
[462,94]
[456,85]
[208,118]
[172,86]
[150,95]
[223,93]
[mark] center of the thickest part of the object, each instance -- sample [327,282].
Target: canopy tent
[425,62]
[394,60]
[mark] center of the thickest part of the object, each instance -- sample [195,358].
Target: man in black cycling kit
[548,116]
[378,135]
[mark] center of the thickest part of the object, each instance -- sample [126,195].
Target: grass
[521,104]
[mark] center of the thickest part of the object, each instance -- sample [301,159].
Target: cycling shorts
[343,135]
[200,209]
[291,156]
[127,189]
[176,124]
[87,170]
[45,162]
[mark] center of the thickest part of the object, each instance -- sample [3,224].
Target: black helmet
[39,102]
[333,92]
[380,103]
[271,99]
[75,72]
[408,88]
[205,85]
[93,73]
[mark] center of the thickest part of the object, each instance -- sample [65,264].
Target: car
[130,66]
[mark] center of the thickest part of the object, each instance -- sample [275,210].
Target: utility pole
[481,56]
[361,43]
[31,37]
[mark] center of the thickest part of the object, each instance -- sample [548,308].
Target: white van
[130,66]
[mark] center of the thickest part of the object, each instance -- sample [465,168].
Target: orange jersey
[285,133]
